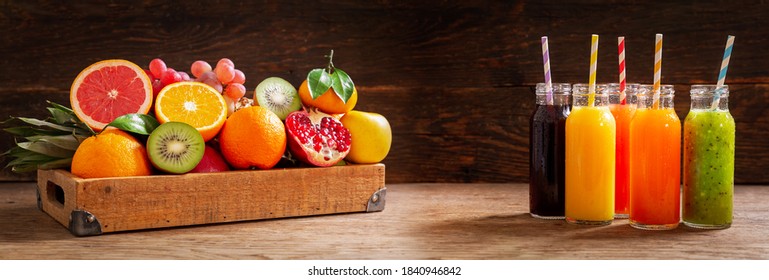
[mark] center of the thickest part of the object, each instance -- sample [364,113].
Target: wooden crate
[96,206]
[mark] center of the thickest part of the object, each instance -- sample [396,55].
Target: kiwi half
[278,96]
[175,147]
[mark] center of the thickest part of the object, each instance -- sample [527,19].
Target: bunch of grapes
[161,75]
[224,78]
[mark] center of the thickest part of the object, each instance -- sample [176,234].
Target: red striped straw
[621,50]
[546,62]
[657,70]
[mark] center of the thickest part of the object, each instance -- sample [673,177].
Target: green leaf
[46,149]
[37,122]
[61,163]
[60,116]
[69,142]
[63,108]
[318,82]
[342,84]
[136,123]
[24,168]
[32,158]
[22,131]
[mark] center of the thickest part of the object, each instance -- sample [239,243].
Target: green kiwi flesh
[175,147]
[278,96]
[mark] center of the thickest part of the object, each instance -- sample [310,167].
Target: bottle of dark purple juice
[547,153]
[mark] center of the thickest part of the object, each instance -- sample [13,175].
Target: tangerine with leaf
[329,89]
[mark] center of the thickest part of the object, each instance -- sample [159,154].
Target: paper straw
[593,65]
[546,62]
[657,70]
[621,50]
[722,73]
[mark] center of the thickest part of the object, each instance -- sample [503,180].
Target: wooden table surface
[420,221]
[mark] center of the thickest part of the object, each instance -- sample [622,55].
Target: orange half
[194,103]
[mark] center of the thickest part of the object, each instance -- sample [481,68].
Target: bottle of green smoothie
[708,166]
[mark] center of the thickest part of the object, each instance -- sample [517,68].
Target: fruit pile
[129,121]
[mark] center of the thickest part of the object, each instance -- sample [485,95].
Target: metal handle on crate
[57,197]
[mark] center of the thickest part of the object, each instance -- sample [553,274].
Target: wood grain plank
[462,71]
[421,221]
[471,44]
[481,135]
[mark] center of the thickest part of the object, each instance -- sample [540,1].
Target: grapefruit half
[108,89]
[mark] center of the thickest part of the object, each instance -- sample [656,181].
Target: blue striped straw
[722,73]
[546,62]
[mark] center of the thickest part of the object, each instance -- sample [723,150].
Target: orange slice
[108,89]
[194,103]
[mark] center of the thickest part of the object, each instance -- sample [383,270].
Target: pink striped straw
[622,82]
[546,62]
[657,70]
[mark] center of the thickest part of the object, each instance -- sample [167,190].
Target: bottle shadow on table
[526,226]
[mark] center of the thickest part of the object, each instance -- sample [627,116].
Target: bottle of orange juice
[590,159]
[655,161]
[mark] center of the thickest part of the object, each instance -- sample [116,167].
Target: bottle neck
[647,101]
[601,100]
[558,99]
[705,101]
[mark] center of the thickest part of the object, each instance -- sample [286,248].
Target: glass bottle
[623,112]
[590,156]
[547,152]
[655,161]
[708,172]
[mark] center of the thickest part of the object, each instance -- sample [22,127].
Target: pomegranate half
[317,138]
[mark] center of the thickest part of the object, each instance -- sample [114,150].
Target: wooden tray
[95,206]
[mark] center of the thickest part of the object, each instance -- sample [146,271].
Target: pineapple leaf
[63,108]
[24,168]
[60,163]
[46,124]
[26,131]
[32,158]
[48,143]
[69,142]
[61,117]
[46,149]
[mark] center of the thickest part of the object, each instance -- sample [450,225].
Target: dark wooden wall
[454,78]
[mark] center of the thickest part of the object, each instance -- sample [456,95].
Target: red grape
[149,74]
[199,67]
[157,67]
[170,76]
[240,78]
[185,76]
[225,61]
[225,73]
[235,91]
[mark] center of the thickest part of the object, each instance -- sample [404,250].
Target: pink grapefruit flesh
[108,89]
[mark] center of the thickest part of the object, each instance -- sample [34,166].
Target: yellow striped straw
[657,70]
[593,66]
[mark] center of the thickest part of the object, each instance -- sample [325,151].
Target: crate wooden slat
[95,206]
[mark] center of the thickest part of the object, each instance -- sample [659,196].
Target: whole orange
[111,153]
[253,137]
[328,102]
